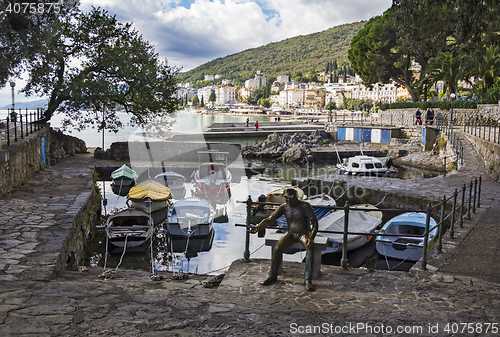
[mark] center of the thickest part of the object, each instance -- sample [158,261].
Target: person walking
[429,116]
[257,126]
[418,117]
[248,121]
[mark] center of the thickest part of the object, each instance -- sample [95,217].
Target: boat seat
[320,244]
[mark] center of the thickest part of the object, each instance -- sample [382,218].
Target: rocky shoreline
[288,148]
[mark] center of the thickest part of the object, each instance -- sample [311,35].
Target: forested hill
[305,53]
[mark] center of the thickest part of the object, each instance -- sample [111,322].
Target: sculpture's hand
[252,229]
[310,243]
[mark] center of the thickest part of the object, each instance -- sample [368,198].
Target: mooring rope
[124,249]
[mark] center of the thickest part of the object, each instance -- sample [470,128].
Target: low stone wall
[489,152]
[20,161]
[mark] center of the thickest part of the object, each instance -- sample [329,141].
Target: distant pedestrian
[279,118]
[248,121]
[429,116]
[257,126]
[418,117]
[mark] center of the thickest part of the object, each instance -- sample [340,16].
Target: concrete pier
[37,298]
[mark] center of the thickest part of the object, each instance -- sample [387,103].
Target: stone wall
[20,161]
[489,152]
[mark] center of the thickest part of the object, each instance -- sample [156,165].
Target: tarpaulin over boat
[124,172]
[149,189]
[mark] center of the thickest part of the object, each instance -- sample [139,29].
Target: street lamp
[13,114]
[452,96]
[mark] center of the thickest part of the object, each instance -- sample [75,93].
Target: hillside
[303,53]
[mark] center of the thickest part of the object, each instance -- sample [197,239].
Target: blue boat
[406,242]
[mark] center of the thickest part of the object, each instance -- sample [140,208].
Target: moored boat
[364,220]
[149,196]
[129,228]
[190,216]
[212,178]
[175,183]
[124,176]
[362,166]
[406,240]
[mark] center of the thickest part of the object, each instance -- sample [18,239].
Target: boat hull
[404,243]
[190,217]
[129,228]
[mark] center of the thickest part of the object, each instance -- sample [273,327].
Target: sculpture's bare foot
[269,280]
[309,286]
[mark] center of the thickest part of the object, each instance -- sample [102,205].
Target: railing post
[474,200]
[246,253]
[462,207]
[470,200]
[479,192]
[452,225]
[461,154]
[444,167]
[27,123]
[441,226]
[15,130]
[21,121]
[343,262]
[489,133]
[8,131]
[423,262]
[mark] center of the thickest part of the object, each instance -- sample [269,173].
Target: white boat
[149,196]
[407,236]
[190,216]
[129,228]
[212,178]
[175,183]
[362,165]
[360,221]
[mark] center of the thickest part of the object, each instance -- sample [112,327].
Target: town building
[225,95]
[384,93]
[291,98]
[255,83]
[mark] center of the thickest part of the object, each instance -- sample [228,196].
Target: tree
[119,69]
[331,106]
[23,35]
[447,68]
[265,103]
[212,98]
[195,100]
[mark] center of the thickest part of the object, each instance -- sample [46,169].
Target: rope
[381,201]
[119,193]
[124,249]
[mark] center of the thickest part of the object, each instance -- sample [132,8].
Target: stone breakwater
[288,148]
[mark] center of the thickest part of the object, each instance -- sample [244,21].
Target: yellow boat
[149,196]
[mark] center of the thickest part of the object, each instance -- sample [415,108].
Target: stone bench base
[320,244]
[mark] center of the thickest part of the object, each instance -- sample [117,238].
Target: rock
[296,153]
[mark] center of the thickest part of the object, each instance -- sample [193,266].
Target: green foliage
[356,104]
[298,54]
[118,68]
[23,36]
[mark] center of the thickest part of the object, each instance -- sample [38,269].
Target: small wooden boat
[129,228]
[149,196]
[175,183]
[123,176]
[190,216]
[365,220]
[191,246]
[407,236]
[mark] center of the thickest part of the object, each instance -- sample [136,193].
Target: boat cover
[124,172]
[149,189]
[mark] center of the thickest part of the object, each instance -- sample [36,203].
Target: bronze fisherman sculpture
[302,227]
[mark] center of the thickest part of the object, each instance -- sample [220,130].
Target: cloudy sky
[190,33]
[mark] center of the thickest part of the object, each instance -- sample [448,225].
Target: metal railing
[488,132]
[19,124]
[456,145]
[466,204]
[393,119]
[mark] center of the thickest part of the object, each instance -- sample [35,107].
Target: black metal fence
[18,124]
[488,132]
[470,199]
